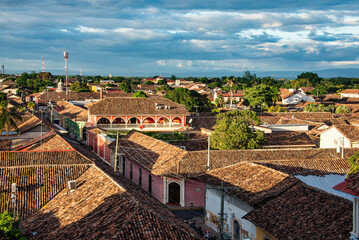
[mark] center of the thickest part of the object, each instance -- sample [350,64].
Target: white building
[343,135]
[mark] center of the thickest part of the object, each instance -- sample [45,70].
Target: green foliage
[9,228]
[80,87]
[354,166]
[162,82]
[233,131]
[7,116]
[139,94]
[276,108]
[219,102]
[312,77]
[149,83]
[191,99]
[126,87]
[164,88]
[312,107]
[261,95]
[31,105]
[213,85]
[343,109]
[215,110]
[173,77]
[304,82]
[168,137]
[3,97]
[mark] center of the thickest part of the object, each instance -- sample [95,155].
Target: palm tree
[7,116]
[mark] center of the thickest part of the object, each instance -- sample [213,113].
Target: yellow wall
[93,88]
[261,234]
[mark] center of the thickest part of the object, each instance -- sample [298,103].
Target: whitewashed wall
[231,205]
[296,98]
[328,136]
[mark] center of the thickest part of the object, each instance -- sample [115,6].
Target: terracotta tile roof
[307,89]
[285,93]
[72,96]
[35,158]
[304,212]
[117,94]
[29,124]
[9,82]
[350,131]
[100,209]
[157,156]
[350,91]
[288,138]
[71,111]
[39,176]
[266,120]
[238,93]
[299,161]
[203,121]
[284,120]
[249,182]
[311,116]
[5,145]
[130,106]
[143,197]
[47,142]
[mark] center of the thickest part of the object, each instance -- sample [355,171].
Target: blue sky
[184,38]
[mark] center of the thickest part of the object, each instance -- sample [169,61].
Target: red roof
[343,187]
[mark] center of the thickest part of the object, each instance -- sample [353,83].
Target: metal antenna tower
[43,64]
[66,56]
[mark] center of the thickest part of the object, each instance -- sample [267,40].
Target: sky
[183,38]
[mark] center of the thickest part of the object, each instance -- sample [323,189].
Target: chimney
[100,93]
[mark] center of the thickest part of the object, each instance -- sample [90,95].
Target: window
[149,183]
[131,171]
[140,177]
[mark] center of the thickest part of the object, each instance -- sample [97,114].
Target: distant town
[233,157]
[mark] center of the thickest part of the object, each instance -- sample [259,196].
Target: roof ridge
[48,165]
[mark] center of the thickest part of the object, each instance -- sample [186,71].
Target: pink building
[154,165]
[147,114]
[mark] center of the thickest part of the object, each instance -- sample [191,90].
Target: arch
[177,120]
[163,121]
[119,120]
[134,120]
[103,120]
[236,230]
[148,120]
[174,193]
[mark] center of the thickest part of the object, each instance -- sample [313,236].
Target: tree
[219,102]
[261,95]
[233,131]
[126,87]
[149,83]
[139,94]
[162,82]
[80,87]
[173,77]
[191,99]
[7,116]
[343,109]
[276,108]
[31,105]
[312,77]
[9,228]
[312,107]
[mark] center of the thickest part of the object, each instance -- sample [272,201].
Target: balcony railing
[146,127]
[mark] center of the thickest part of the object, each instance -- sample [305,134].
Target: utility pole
[116,149]
[221,220]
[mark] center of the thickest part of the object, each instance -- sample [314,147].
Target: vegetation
[312,107]
[167,137]
[35,82]
[261,96]
[191,99]
[233,131]
[139,94]
[31,105]
[9,228]
[8,115]
[276,108]
[126,87]
[354,166]
[80,86]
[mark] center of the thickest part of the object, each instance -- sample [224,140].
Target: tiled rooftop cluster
[283,205]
